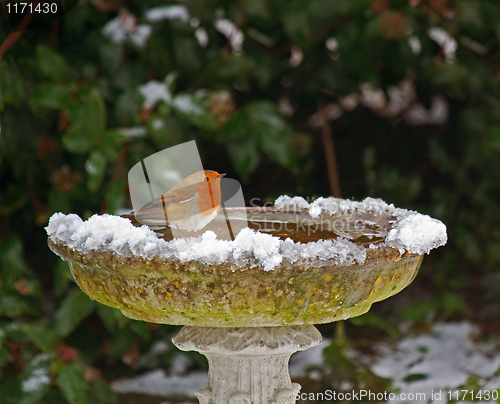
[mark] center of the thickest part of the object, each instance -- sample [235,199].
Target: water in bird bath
[298,226]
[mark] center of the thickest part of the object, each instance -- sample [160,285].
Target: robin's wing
[179,195]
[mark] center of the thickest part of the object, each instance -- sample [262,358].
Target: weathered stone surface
[171,292]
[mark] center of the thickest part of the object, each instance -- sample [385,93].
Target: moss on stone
[172,292]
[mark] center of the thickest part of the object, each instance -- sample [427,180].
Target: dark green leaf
[415,377]
[121,343]
[10,84]
[75,307]
[419,311]
[330,10]
[128,106]
[111,317]
[42,336]
[15,332]
[339,363]
[50,96]
[75,142]
[193,111]
[62,277]
[102,393]
[12,259]
[58,202]
[297,25]
[15,305]
[51,63]
[273,131]
[494,139]
[158,129]
[141,329]
[4,350]
[279,146]
[95,166]
[267,113]
[170,81]
[244,157]
[236,69]
[373,320]
[115,195]
[111,55]
[71,380]
[186,55]
[452,303]
[110,144]
[236,129]
[88,121]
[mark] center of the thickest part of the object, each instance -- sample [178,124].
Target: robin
[190,205]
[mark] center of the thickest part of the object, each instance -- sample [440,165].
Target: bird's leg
[195,234]
[180,232]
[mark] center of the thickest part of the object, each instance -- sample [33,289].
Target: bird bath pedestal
[248,304]
[248,364]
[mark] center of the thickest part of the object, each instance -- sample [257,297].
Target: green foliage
[71,380]
[73,121]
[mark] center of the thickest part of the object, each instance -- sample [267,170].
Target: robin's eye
[205,179]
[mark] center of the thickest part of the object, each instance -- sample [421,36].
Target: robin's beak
[222,175]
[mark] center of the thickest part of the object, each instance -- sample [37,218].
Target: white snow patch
[201,36]
[437,114]
[445,359]
[158,383]
[301,361]
[206,249]
[412,232]
[175,12]
[323,252]
[250,248]
[286,202]
[38,380]
[115,31]
[106,232]
[141,35]
[417,234]
[231,32]
[39,377]
[372,206]
[415,45]
[125,27]
[184,103]
[135,131]
[264,247]
[154,91]
[447,43]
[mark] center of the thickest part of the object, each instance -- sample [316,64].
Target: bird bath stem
[248,304]
[248,364]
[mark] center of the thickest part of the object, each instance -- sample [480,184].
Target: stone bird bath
[249,303]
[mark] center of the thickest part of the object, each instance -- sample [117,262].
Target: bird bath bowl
[248,304]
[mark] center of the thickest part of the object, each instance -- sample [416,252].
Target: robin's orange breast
[210,197]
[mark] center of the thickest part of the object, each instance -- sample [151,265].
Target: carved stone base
[248,365]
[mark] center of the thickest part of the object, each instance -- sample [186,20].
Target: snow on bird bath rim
[411,232]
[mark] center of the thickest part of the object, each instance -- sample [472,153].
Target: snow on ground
[159,383]
[440,360]
[303,360]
